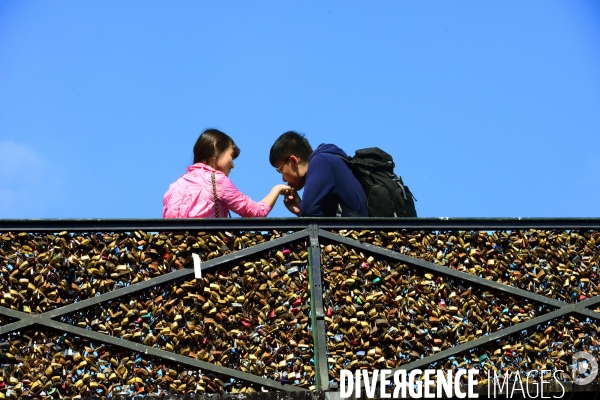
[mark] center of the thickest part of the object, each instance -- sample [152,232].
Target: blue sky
[490,109]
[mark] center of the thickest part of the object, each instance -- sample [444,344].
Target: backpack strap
[398,181]
[342,208]
[347,161]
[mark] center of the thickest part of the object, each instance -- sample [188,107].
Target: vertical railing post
[317,312]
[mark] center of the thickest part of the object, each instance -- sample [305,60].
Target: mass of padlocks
[382,313]
[254,315]
[554,263]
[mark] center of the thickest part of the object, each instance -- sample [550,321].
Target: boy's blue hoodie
[329,181]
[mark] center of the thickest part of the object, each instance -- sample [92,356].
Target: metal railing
[314,232]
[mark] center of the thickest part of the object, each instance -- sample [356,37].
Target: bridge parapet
[107,307]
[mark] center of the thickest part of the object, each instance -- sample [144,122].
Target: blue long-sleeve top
[330,181]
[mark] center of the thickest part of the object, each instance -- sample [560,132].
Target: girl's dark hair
[211,144]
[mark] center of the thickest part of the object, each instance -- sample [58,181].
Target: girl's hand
[274,194]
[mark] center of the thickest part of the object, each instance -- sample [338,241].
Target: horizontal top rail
[442,223]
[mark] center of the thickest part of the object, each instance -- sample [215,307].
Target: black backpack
[386,194]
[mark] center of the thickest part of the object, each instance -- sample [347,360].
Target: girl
[205,191]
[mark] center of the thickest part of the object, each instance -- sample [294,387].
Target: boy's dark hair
[290,143]
[211,144]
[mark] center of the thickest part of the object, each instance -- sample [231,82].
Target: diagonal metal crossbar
[151,351]
[579,308]
[563,309]
[46,319]
[160,280]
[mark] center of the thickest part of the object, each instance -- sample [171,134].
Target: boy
[330,188]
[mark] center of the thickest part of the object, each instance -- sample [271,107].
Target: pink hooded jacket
[191,196]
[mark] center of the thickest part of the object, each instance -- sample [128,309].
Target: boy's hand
[292,201]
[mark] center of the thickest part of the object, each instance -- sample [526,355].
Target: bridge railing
[107,307]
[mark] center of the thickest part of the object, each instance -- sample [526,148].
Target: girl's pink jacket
[191,196]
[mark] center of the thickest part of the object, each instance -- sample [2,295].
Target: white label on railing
[197,269]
